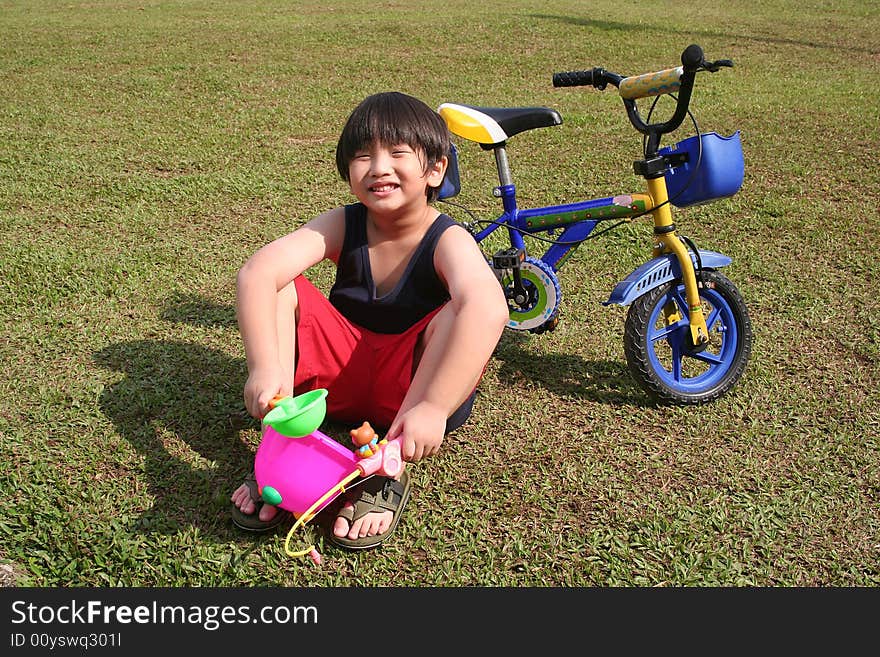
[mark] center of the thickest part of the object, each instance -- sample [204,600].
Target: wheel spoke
[713,317]
[676,359]
[661,332]
[707,357]
[680,300]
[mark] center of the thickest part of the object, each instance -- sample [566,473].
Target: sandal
[375,494]
[251,521]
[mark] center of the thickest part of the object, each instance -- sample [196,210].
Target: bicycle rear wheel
[660,352]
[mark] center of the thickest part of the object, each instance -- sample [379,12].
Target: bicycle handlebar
[691,61]
[593,78]
[651,84]
[667,81]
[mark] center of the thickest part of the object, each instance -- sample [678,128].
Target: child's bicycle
[688,335]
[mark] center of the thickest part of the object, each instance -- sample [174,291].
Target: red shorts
[366,374]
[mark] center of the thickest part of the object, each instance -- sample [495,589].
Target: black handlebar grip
[573,79]
[692,57]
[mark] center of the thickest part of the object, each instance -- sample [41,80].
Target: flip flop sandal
[251,521]
[375,494]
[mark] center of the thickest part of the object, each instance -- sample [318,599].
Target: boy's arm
[259,280]
[465,335]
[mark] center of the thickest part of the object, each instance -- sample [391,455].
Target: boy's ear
[437,171]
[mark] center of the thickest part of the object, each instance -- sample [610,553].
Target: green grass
[148,148]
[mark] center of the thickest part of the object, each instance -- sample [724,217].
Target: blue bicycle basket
[708,173]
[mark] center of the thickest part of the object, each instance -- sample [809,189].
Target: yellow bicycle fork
[668,242]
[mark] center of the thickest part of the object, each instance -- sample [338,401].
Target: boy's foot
[370,518]
[250,513]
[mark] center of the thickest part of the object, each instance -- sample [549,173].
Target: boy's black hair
[393,118]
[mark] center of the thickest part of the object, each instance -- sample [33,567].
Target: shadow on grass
[566,375]
[180,406]
[197,311]
[691,33]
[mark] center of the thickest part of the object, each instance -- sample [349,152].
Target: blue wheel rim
[709,366]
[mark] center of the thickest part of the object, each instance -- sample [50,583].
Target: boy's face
[388,178]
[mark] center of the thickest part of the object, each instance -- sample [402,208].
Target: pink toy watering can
[300,469]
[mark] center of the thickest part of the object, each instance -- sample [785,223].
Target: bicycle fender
[656,272]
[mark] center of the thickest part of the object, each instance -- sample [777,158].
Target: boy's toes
[369,525]
[365,521]
[372,524]
[340,525]
[245,503]
[267,512]
[242,499]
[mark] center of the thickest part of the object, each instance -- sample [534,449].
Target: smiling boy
[413,316]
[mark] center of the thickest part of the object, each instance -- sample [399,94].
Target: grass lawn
[148,148]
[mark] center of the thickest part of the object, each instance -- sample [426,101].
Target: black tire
[661,355]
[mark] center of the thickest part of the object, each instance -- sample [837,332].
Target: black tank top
[417,293]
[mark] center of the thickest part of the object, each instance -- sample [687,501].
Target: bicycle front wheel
[660,352]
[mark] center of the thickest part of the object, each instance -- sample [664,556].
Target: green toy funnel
[298,416]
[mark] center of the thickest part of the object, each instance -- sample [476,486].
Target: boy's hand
[261,386]
[422,429]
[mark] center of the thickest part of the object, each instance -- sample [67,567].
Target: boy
[410,323]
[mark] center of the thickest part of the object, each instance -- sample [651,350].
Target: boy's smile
[383,188]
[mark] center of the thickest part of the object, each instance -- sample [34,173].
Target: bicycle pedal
[508,258]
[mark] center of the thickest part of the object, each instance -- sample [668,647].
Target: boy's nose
[380,164]
[381,161]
